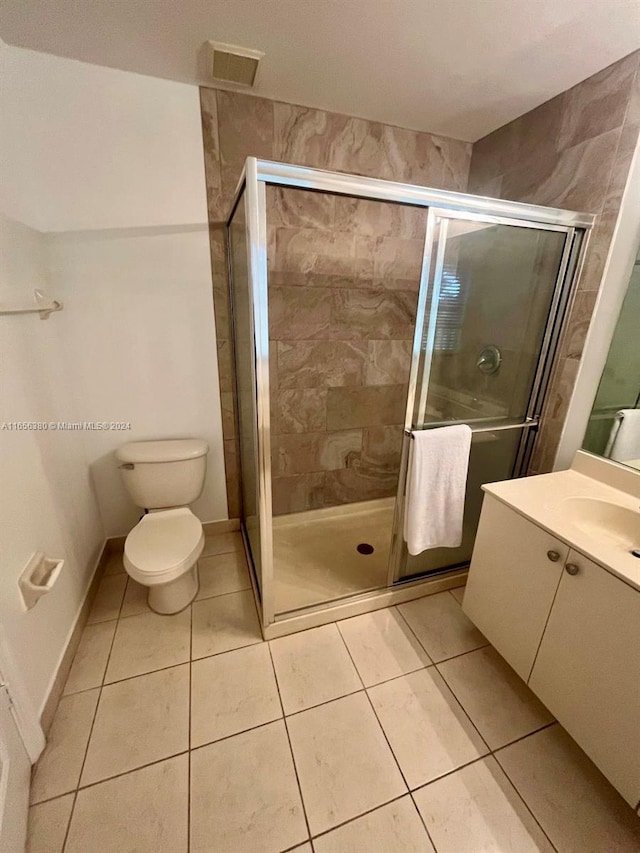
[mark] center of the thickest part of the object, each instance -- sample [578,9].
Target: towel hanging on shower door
[436,487]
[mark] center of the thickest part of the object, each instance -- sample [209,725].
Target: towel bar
[530,423]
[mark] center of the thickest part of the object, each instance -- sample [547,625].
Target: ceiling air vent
[234,64]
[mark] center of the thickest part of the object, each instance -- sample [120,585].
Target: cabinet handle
[553,556]
[572,569]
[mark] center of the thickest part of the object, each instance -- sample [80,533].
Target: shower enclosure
[364,310]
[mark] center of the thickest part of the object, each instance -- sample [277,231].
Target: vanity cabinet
[587,671]
[569,628]
[515,572]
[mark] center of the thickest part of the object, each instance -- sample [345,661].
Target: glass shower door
[491,292]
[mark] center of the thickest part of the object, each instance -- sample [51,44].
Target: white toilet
[162,550]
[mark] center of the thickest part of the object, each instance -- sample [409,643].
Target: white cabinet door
[514,574]
[588,669]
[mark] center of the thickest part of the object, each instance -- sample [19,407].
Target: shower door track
[448,205]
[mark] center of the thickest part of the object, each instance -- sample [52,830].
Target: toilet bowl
[161,553]
[162,550]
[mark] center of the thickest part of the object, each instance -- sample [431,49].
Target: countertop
[540,499]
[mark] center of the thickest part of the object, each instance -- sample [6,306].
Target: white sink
[604,520]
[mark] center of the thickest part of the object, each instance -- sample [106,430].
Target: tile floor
[399,731]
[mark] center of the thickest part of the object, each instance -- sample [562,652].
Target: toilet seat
[163,545]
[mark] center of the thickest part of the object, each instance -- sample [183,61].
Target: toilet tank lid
[167,450]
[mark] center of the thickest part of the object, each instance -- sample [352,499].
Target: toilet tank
[161,474]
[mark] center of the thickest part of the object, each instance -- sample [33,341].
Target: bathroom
[290,282]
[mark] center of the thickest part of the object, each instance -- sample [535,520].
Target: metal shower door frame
[436,234]
[256,175]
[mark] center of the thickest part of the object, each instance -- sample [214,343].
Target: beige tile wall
[573,152]
[343,290]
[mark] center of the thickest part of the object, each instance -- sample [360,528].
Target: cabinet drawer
[514,574]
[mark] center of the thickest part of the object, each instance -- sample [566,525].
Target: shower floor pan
[316,557]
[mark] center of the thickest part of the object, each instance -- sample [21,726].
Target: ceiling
[456,67]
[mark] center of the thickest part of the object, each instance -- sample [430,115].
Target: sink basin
[609,522]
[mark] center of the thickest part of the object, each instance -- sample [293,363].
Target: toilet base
[172,597]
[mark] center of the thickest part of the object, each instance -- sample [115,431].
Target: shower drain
[364,548]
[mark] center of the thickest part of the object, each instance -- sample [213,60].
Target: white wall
[91,147]
[104,203]
[111,166]
[143,348]
[47,502]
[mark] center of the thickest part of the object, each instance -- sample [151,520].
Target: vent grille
[235,64]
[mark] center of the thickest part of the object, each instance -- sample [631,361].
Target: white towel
[624,441]
[436,486]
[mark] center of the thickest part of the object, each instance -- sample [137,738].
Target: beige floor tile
[114,566]
[344,763]
[394,828]
[48,824]
[244,795]
[141,812]
[135,599]
[313,667]
[138,721]
[458,593]
[58,768]
[224,623]
[148,642]
[108,599]
[304,848]
[573,802]
[223,573]
[222,543]
[477,808]
[232,692]
[382,646]
[428,731]
[498,701]
[441,626]
[90,661]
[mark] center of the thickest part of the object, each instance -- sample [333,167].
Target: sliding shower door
[493,289]
[364,309]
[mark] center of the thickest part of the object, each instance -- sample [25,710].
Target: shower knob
[489,360]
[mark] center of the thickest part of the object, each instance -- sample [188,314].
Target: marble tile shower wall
[572,152]
[343,291]
[343,288]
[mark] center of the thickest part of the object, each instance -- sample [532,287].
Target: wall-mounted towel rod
[529,423]
[43,306]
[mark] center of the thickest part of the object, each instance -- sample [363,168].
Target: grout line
[95,714]
[402,776]
[130,771]
[66,834]
[526,804]
[324,702]
[221,594]
[422,645]
[293,759]
[358,816]
[423,822]
[195,600]
[236,734]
